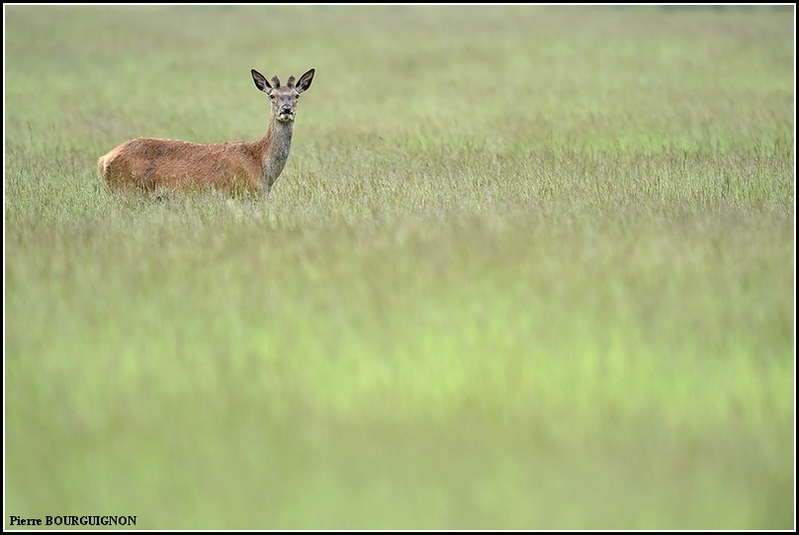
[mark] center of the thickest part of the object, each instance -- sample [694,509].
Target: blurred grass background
[526,268]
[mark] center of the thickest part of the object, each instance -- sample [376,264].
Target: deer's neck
[275,150]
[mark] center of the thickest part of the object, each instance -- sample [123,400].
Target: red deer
[237,166]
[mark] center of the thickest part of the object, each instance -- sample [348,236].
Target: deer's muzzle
[286,113]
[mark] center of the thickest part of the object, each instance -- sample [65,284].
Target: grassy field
[526,268]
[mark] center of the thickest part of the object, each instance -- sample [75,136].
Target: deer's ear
[260,81]
[305,81]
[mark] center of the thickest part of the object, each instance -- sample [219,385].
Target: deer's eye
[271,97]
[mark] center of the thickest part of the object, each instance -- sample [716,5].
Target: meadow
[526,268]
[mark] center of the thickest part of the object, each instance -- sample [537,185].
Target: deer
[151,163]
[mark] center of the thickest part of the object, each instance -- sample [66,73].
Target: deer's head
[284,97]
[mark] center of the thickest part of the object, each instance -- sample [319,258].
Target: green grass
[526,268]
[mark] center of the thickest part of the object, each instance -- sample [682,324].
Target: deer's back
[150,163]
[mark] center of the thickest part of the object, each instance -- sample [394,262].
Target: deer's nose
[286,109]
